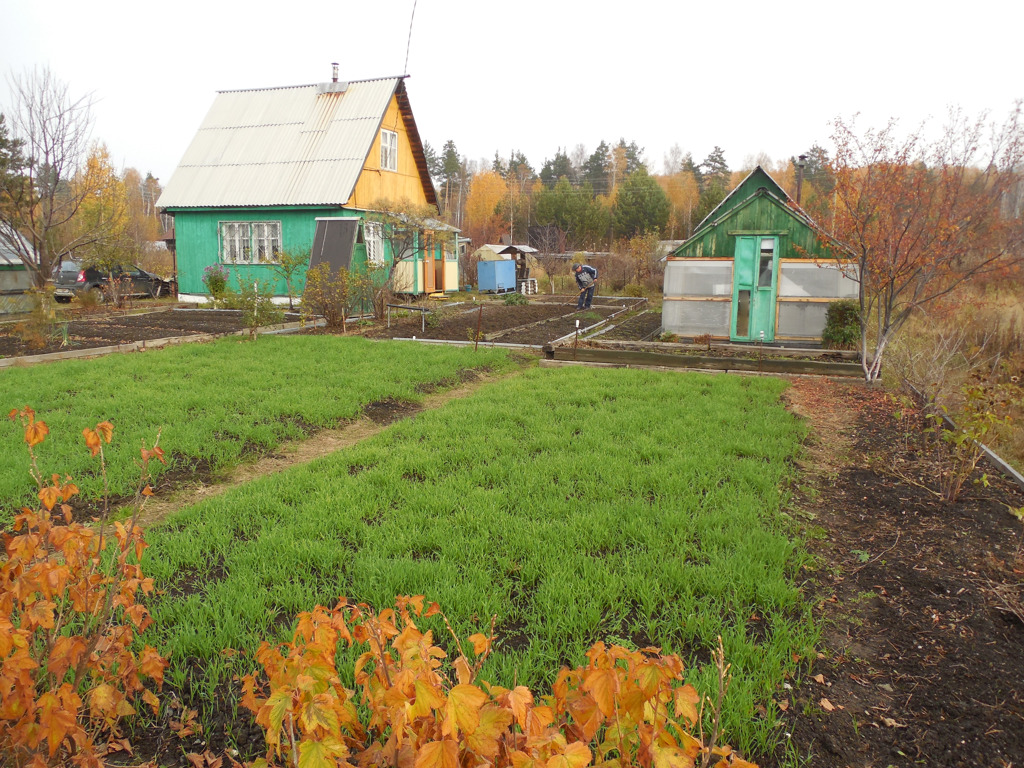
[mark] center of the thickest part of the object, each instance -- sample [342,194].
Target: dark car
[74,280]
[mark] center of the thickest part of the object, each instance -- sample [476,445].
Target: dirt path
[376,417]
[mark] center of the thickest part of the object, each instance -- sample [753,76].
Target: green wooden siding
[758,206]
[197,235]
[757,179]
[197,242]
[761,214]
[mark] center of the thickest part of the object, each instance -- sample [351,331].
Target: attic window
[388,150]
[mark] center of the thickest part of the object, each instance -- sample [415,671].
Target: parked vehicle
[74,280]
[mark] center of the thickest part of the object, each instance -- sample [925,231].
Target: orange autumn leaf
[428,699]
[602,684]
[577,755]
[686,702]
[151,700]
[49,496]
[92,441]
[439,754]
[66,653]
[152,664]
[104,700]
[463,709]
[40,614]
[485,740]
[520,699]
[480,643]
[36,432]
[671,757]
[106,430]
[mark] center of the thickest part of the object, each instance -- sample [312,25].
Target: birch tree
[42,196]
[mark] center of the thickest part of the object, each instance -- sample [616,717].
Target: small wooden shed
[754,270]
[15,279]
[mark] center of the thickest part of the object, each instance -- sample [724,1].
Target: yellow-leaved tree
[482,223]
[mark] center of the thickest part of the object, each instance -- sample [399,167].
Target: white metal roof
[10,255]
[301,145]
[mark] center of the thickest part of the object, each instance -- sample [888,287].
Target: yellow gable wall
[403,184]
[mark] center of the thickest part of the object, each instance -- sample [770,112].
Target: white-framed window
[388,150]
[250,242]
[373,236]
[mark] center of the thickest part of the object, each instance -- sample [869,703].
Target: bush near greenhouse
[842,325]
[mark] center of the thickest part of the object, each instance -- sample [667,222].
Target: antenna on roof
[408,44]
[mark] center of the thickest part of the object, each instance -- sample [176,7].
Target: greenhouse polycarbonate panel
[802,319]
[811,280]
[698,278]
[695,318]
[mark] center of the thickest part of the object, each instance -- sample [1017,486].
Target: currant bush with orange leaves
[625,708]
[69,614]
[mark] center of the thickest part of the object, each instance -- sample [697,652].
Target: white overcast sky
[533,75]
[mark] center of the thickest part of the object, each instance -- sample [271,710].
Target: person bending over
[586,277]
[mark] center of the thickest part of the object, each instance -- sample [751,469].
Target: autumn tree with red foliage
[919,217]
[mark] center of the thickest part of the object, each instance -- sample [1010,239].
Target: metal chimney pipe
[334,72]
[800,163]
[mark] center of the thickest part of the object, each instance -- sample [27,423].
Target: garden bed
[533,324]
[643,326]
[723,357]
[922,599]
[107,329]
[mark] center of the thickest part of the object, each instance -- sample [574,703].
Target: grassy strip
[214,402]
[573,504]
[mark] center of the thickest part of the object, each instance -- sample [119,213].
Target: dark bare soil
[640,327]
[105,329]
[627,333]
[921,600]
[535,324]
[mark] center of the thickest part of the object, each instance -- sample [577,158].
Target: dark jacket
[586,276]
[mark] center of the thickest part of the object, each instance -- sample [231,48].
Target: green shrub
[336,295]
[842,325]
[515,300]
[633,289]
[256,301]
[215,278]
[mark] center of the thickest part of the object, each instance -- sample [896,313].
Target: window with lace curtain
[388,150]
[250,242]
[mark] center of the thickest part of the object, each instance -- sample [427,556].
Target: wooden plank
[697,349]
[767,365]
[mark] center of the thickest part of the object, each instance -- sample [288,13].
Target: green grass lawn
[575,505]
[213,402]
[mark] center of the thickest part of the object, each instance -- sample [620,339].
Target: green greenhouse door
[755,270]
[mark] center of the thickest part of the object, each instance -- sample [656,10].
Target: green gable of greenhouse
[754,270]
